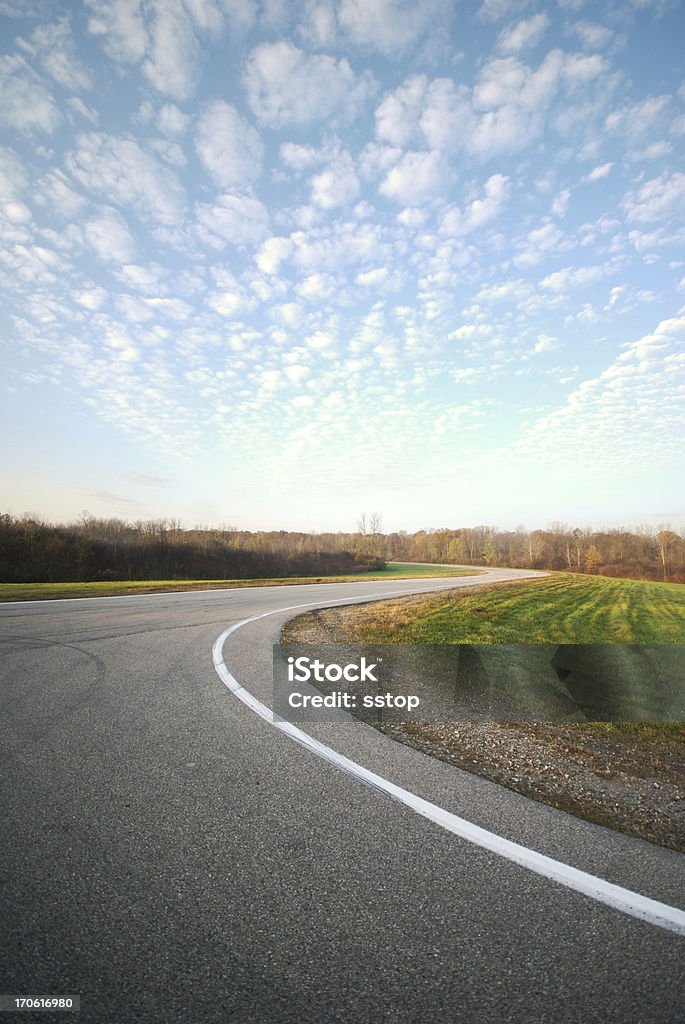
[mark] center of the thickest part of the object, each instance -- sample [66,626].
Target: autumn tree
[592,559]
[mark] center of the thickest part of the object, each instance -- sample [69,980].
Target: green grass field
[47,591]
[563,609]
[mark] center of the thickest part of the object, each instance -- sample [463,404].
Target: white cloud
[276,16]
[470,332]
[540,243]
[118,340]
[578,69]
[628,414]
[656,199]
[343,244]
[391,26]
[397,116]
[638,120]
[322,342]
[373,278]
[173,51]
[318,24]
[12,174]
[513,100]
[289,314]
[508,291]
[109,237]
[171,120]
[92,298]
[146,278]
[411,217]
[494,10]
[479,211]
[270,380]
[230,300]
[33,265]
[121,26]
[570,277]
[55,193]
[158,34]
[170,152]
[171,309]
[599,172]
[271,254]
[53,46]
[236,219]
[560,203]
[211,16]
[164,36]
[655,151]
[123,172]
[376,160]
[546,343]
[645,242]
[286,86]
[524,34]
[447,120]
[297,373]
[316,287]
[133,309]
[76,104]
[25,103]
[504,112]
[299,158]
[439,111]
[592,35]
[16,212]
[231,304]
[417,178]
[229,148]
[337,185]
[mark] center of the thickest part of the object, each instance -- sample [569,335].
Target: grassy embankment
[563,608]
[115,588]
[627,775]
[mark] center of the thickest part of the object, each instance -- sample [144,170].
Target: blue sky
[272,264]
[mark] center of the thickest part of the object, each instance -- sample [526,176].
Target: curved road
[169,856]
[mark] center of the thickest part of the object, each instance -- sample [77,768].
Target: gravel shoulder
[625,776]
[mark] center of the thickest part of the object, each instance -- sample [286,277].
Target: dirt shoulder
[626,776]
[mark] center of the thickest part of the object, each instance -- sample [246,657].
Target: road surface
[169,856]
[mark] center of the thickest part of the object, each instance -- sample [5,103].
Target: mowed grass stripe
[563,608]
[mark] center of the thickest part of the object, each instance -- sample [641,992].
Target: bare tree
[375,524]
[666,540]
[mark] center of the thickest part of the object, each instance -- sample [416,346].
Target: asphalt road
[170,856]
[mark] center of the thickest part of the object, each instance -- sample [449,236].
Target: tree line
[32,550]
[641,553]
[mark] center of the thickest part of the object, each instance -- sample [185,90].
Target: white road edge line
[652,911]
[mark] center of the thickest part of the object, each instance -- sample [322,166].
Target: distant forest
[33,551]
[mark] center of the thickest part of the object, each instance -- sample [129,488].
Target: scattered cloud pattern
[298,259]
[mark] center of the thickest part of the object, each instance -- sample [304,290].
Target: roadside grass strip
[122,588]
